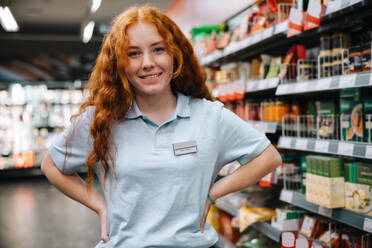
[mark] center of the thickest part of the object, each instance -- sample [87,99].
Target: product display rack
[342,215]
[263,227]
[11,171]
[340,14]
[335,147]
[274,36]
[264,126]
[77,84]
[326,84]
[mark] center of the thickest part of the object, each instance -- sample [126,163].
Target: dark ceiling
[54,25]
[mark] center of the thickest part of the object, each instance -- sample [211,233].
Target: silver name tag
[185,147]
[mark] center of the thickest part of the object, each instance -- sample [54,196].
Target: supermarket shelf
[267,34]
[69,85]
[267,229]
[263,227]
[224,243]
[264,126]
[25,172]
[323,84]
[263,84]
[336,147]
[345,216]
[233,211]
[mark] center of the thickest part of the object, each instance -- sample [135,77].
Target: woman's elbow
[46,163]
[276,157]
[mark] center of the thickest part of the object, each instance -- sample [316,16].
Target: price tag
[323,84]
[256,38]
[325,211]
[301,87]
[273,82]
[333,6]
[286,196]
[368,152]
[246,42]
[262,84]
[321,146]
[282,89]
[267,33]
[301,144]
[352,2]
[281,27]
[367,225]
[250,86]
[265,127]
[285,142]
[345,148]
[347,81]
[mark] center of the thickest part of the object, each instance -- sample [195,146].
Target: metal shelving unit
[342,215]
[335,147]
[326,84]
[265,126]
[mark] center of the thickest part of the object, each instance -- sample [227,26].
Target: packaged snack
[308,226]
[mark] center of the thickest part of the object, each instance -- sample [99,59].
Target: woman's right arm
[74,187]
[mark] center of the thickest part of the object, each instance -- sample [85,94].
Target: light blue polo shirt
[155,198]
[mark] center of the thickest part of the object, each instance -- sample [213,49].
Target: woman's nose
[148,61]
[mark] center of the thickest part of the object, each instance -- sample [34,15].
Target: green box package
[351,119]
[325,166]
[326,115]
[367,110]
[358,172]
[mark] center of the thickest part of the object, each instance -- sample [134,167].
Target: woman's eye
[159,49]
[133,54]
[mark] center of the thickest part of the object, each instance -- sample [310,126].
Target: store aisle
[35,214]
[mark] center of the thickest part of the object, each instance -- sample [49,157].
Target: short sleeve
[69,159]
[238,140]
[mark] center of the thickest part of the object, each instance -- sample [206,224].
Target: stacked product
[287,219]
[325,181]
[358,195]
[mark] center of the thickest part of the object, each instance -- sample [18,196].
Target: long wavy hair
[109,90]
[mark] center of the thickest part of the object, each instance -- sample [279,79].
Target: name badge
[185,147]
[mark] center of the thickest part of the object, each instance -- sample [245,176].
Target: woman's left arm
[246,175]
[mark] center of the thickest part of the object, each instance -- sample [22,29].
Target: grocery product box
[358,172]
[351,120]
[287,219]
[328,192]
[367,111]
[327,119]
[324,166]
[358,198]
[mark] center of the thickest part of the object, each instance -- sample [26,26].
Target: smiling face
[150,67]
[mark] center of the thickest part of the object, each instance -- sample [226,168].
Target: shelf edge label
[367,224]
[345,148]
[286,195]
[321,146]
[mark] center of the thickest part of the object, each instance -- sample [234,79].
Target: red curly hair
[109,90]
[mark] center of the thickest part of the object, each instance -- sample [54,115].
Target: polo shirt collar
[182,108]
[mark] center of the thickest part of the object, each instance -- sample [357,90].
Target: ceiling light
[88,32]
[95,5]
[7,20]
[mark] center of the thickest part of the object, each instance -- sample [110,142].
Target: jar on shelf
[355,58]
[366,59]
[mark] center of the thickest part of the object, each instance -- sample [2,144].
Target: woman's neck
[158,107]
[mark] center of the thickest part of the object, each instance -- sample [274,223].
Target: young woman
[155,139]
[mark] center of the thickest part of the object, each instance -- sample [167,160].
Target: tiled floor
[34,214]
